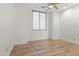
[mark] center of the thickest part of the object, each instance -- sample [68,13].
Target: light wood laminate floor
[46,48]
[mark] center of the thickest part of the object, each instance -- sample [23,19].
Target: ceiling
[61,6]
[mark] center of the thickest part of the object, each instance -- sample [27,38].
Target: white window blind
[42,21]
[39,20]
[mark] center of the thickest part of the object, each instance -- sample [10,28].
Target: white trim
[13,46]
[72,41]
[10,49]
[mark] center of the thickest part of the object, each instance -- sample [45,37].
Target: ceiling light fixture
[50,6]
[64,7]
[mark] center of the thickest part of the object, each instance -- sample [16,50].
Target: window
[39,20]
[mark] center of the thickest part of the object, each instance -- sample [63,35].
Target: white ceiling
[61,6]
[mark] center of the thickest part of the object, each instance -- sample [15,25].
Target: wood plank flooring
[46,48]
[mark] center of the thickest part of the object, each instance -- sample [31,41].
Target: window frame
[39,20]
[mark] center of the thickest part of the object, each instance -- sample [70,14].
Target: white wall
[56,25]
[15,26]
[65,25]
[50,24]
[23,23]
[7,28]
[69,24]
[40,35]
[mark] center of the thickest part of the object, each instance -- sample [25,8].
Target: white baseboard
[21,43]
[10,50]
[72,41]
[39,39]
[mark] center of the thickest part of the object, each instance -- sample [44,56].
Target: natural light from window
[39,20]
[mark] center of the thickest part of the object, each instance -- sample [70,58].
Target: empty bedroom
[39,29]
